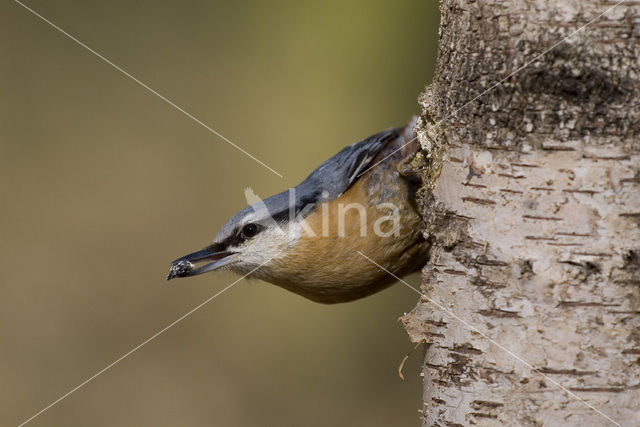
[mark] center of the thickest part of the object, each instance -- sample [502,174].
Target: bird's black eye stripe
[250,230]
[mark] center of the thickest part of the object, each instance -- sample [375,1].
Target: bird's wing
[338,173]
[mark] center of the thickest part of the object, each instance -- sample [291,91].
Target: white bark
[533,207]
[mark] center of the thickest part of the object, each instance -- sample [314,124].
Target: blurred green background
[103,183]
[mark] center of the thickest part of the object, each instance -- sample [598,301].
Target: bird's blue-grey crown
[327,182]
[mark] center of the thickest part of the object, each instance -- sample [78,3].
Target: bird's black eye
[250,230]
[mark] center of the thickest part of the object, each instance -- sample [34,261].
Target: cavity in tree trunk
[533,208]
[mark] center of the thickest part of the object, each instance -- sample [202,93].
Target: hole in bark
[577,85]
[591,267]
[526,268]
[631,261]
[588,267]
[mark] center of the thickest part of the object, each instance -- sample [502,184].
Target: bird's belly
[373,225]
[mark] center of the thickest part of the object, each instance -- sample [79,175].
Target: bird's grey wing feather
[338,173]
[334,177]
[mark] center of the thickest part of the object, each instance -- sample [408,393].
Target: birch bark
[533,207]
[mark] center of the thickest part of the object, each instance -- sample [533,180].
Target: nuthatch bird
[307,239]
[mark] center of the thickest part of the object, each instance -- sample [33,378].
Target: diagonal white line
[501,81]
[181,318]
[497,344]
[168,101]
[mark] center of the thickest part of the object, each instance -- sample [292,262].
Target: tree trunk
[531,306]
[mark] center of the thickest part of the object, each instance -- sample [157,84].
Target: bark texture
[533,208]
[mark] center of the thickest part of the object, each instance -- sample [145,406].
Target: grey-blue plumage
[327,182]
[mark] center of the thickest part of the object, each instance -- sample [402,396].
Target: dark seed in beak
[180,269]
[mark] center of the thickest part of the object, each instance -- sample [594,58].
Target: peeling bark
[533,207]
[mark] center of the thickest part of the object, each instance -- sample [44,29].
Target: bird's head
[252,238]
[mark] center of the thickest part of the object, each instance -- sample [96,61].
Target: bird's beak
[185,266]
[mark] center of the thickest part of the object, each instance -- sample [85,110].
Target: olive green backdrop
[102,184]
